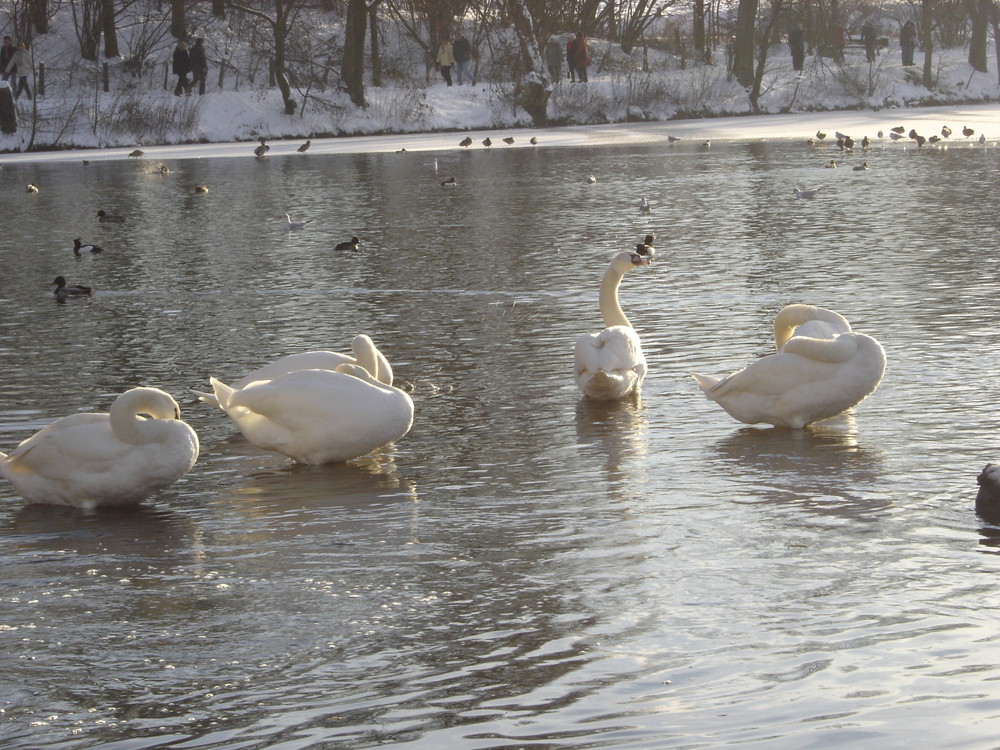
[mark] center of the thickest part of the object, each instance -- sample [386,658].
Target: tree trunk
[928,45]
[219,8]
[40,15]
[535,88]
[376,50]
[110,31]
[280,35]
[995,23]
[765,41]
[352,70]
[979,14]
[178,19]
[746,15]
[698,17]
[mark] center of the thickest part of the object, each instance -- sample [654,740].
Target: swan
[318,416]
[610,364]
[120,458]
[366,354]
[821,369]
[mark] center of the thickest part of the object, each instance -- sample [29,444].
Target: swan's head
[646,251]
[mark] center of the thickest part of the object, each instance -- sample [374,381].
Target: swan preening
[610,364]
[988,497]
[120,458]
[821,369]
[319,407]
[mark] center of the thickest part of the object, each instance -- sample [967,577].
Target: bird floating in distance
[79,248]
[806,193]
[449,183]
[137,153]
[848,142]
[982,138]
[533,141]
[86,162]
[31,188]
[945,131]
[433,164]
[706,144]
[838,134]
[590,179]
[644,207]
[820,134]
[465,142]
[304,147]
[920,140]
[509,141]
[201,188]
[968,132]
[354,244]
[934,139]
[262,149]
[64,290]
[487,142]
[401,151]
[862,168]
[163,169]
[673,138]
[895,136]
[880,135]
[292,225]
[866,142]
[105,218]
[912,135]
[831,165]
[898,129]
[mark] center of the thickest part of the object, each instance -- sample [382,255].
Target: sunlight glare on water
[524,568]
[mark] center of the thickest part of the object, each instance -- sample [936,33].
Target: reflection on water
[523,568]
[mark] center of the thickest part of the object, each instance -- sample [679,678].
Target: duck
[31,188]
[449,183]
[163,169]
[968,132]
[862,167]
[821,369]
[988,497]
[318,416]
[79,248]
[305,146]
[820,135]
[896,136]
[647,243]
[136,154]
[465,142]
[64,290]
[590,179]
[806,192]
[293,225]
[609,365]
[509,140]
[673,138]
[866,142]
[353,244]
[262,149]
[363,353]
[93,460]
[487,142]
[831,165]
[201,188]
[898,130]
[644,206]
[945,131]
[105,218]
[533,140]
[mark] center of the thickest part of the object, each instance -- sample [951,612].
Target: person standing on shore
[181,67]
[908,42]
[580,56]
[797,45]
[463,53]
[6,55]
[23,64]
[199,65]
[446,58]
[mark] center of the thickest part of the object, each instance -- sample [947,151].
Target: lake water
[523,569]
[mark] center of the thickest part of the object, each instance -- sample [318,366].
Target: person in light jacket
[446,58]
[23,64]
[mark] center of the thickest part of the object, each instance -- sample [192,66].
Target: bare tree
[746,15]
[352,71]
[285,12]
[765,42]
[535,88]
[980,12]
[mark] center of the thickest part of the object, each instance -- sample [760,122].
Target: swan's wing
[316,360]
[773,375]
[76,440]
[614,348]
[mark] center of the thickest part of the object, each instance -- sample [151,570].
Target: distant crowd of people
[868,38]
[16,63]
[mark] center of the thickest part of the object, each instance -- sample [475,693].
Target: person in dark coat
[869,39]
[581,56]
[6,55]
[199,65]
[463,53]
[181,68]
[797,45]
[908,42]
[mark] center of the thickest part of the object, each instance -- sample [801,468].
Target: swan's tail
[705,382]
[208,398]
[223,392]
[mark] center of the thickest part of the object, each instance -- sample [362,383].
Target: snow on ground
[984,119]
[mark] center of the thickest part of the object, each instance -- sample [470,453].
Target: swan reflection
[616,430]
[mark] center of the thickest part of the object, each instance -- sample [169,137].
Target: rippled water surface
[522,570]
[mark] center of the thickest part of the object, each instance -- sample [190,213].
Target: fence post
[104,77]
[270,73]
[40,81]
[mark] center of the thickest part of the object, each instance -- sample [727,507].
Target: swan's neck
[131,428]
[610,307]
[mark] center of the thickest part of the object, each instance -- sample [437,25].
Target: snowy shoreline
[983,118]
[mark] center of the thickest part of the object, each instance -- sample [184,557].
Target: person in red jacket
[578,54]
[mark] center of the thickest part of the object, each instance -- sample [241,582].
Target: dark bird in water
[79,248]
[920,141]
[968,132]
[898,129]
[945,131]
[354,244]
[201,188]
[465,142]
[848,142]
[64,290]
[137,153]
[912,135]
[509,141]
[863,168]
[866,142]
[533,141]
[934,139]
[450,182]
[262,149]
[831,165]
[304,147]
[105,218]
[487,142]
[31,188]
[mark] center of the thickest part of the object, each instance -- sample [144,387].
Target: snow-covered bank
[984,119]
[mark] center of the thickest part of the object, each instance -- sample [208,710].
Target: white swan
[822,368]
[365,352]
[319,416]
[121,458]
[610,364]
